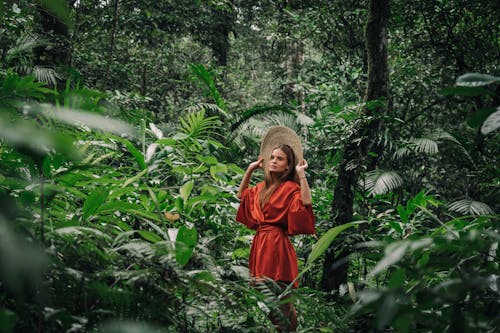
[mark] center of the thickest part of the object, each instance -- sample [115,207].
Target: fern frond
[196,126]
[470,207]
[381,182]
[401,153]
[425,145]
[44,74]
[25,43]
[207,106]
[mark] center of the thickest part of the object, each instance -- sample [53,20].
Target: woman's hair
[288,174]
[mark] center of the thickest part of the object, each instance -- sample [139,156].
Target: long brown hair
[288,174]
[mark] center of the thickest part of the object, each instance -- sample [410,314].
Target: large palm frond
[428,144]
[468,206]
[381,181]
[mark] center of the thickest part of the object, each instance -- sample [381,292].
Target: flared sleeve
[300,217]
[247,204]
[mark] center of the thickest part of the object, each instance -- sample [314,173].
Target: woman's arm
[248,174]
[305,191]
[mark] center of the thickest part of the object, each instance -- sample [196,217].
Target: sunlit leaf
[149,236]
[470,207]
[324,242]
[476,79]
[185,190]
[394,252]
[94,201]
[185,243]
[90,119]
[492,123]
[381,182]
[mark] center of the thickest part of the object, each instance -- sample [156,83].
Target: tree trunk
[112,40]
[57,34]
[219,39]
[335,267]
[294,62]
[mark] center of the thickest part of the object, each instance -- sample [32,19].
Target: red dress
[272,254]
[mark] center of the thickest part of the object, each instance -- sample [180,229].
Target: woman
[276,208]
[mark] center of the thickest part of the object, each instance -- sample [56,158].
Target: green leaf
[492,123]
[185,242]
[478,118]
[381,182]
[93,201]
[395,226]
[424,259]
[476,79]
[397,278]
[58,8]
[149,236]
[135,178]
[202,275]
[7,321]
[403,213]
[134,151]
[218,170]
[185,190]
[394,252]
[470,207]
[210,160]
[465,91]
[324,242]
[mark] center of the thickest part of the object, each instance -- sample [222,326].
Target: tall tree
[53,22]
[360,143]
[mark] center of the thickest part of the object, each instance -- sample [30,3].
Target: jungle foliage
[126,126]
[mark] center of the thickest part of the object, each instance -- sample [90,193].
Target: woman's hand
[301,168]
[257,164]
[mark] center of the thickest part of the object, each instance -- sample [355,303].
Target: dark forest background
[125,128]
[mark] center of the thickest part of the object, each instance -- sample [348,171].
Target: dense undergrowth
[106,222]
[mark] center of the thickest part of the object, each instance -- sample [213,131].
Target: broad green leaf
[402,213]
[324,242]
[202,275]
[424,259]
[185,190]
[464,91]
[394,252]
[94,201]
[134,151]
[210,160]
[77,230]
[7,320]
[90,119]
[217,170]
[135,178]
[492,123]
[185,243]
[395,225]
[476,80]
[149,236]
[59,9]
[397,278]
[478,118]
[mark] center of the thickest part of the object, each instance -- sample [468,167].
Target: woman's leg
[286,319]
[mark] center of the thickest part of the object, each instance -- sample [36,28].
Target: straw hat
[278,135]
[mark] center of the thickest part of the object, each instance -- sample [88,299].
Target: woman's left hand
[301,168]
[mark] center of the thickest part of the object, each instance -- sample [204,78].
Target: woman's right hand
[257,164]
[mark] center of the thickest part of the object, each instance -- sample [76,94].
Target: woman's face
[278,162]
